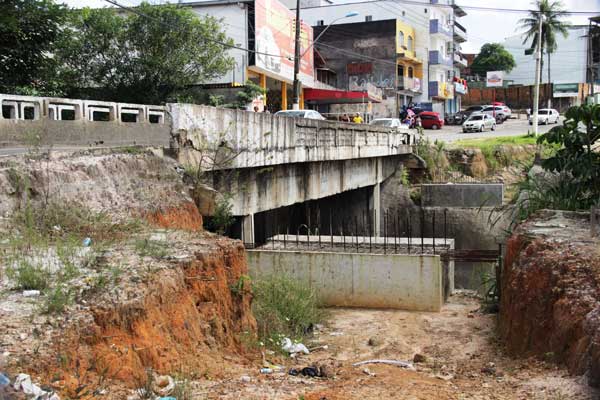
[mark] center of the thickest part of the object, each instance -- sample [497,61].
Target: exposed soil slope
[550,293]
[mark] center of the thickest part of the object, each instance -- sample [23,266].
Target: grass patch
[151,248]
[496,141]
[57,299]
[284,307]
[28,275]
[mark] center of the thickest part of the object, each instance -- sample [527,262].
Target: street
[512,127]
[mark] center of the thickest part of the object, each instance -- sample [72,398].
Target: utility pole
[536,94]
[296,101]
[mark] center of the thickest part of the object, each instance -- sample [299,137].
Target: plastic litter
[292,348]
[167,398]
[311,372]
[245,378]
[4,381]
[397,363]
[31,293]
[266,371]
[23,383]
[87,242]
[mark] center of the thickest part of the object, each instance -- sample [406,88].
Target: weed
[57,299]
[151,248]
[223,218]
[28,275]
[284,306]
[241,286]
[182,390]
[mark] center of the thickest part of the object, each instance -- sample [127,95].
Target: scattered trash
[311,372]
[266,371]
[4,381]
[336,333]
[372,342]
[367,371]
[419,358]
[167,398]
[489,369]
[397,363]
[289,347]
[324,347]
[56,228]
[245,378]
[23,383]
[31,293]
[87,242]
[163,385]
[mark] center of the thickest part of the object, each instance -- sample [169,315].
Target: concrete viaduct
[259,161]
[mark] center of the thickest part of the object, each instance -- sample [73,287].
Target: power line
[474,8]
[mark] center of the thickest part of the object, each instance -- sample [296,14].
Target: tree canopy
[28,32]
[145,57]
[492,57]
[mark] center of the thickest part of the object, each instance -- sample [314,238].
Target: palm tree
[552,13]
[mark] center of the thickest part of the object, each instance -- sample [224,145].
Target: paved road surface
[512,127]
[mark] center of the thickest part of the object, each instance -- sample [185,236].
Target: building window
[403,13]
[401,38]
[410,43]
[410,72]
[400,70]
[320,22]
[425,11]
[450,73]
[369,18]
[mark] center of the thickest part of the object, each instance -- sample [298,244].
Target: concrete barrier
[399,281]
[462,194]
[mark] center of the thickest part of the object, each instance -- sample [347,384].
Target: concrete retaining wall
[408,282]
[462,195]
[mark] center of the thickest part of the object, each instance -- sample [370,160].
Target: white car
[387,122]
[310,114]
[546,116]
[479,123]
[502,113]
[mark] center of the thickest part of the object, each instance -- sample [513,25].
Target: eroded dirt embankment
[165,296]
[550,293]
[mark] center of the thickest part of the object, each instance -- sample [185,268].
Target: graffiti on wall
[362,76]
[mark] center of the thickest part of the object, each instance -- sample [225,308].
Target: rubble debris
[31,293]
[23,383]
[311,372]
[397,363]
[163,385]
[419,358]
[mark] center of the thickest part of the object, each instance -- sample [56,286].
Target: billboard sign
[495,79]
[274,28]
[565,90]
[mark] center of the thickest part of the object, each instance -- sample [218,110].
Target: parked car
[431,120]
[387,122]
[479,122]
[309,114]
[546,116]
[501,113]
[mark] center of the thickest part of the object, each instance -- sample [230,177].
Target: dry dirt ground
[463,361]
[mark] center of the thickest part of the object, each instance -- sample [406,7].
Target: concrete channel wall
[462,194]
[399,281]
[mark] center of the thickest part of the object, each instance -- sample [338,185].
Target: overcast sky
[482,26]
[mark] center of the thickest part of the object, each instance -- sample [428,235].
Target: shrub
[57,299]
[223,218]
[284,306]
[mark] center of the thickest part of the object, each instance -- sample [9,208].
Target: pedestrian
[345,118]
[528,111]
[255,108]
[357,119]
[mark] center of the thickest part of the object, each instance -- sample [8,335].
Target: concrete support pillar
[263,84]
[283,96]
[377,199]
[248,230]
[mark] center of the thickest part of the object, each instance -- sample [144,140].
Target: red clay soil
[185,217]
[550,295]
[187,320]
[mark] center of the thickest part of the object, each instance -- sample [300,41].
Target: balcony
[460,61]
[439,29]
[441,90]
[460,33]
[409,84]
[437,58]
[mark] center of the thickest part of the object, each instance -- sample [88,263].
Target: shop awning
[327,96]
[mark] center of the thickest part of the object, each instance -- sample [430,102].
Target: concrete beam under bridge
[255,190]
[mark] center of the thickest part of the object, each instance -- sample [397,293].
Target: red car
[431,120]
